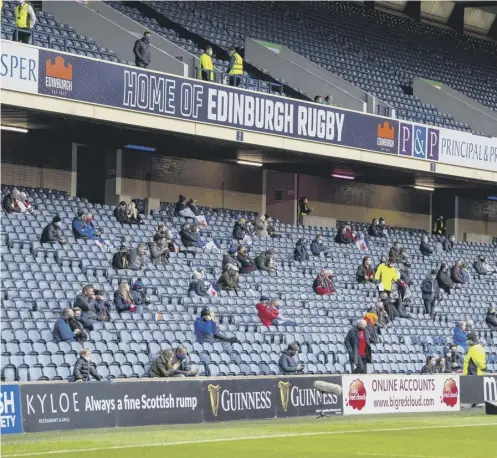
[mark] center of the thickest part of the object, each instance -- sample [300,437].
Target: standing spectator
[491,318]
[123,299]
[235,68]
[139,294]
[86,302]
[141,50]
[429,367]
[102,306]
[25,21]
[261,226]
[52,232]
[430,291]
[240,233]
[358,344]
[456,273]
[159,251]
[84,368]
[133,214]
[206,68]
[425,248]
[460,334]
[206,328]
[402,299]
[323,284]
[475,361]
[365,272]
[246,265]
[62,332]
[317,246]
[384,320]
[266,261]
[230,258]
[300,253]
[287,362]
[199,286]
[439,226]
[10,201]
[304,209]
[483,267]
[230,278]
[448,243]
[385,275]
[388,304]
[444,280]
[455,361]
[318,99]
[328,100]
[121,212]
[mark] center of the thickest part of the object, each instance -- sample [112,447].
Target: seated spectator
[318,99]
[388,305]
[133,214]
[171,242]
[300,253]
[165,365]
[386,275]
[102,306]
[120,260]
[475,361]
[75,324]
[161,232]
[483,267]
[184,209]
[134,258]
[246,265]
[304,209]
[441,366]
[317,246]
[266,261]
[375,230]
[460,333]
[62,332]
[455,361]
[395,252]
[240,233]
[404,271]
[193,206]
[23,204]
[456,273]
[491,318]
[444,280]
[384,320]
[79,226]
[383,227]
[270,314]
[448,243]
[123,299]
[199,286]
[10,200]
[261,226]
[230,258]
[139,293]
[344,235]
[206,328]
[425,247]
[365,272]
[181,354]
[270,227]
[86,302]
[159,251]
[52,232]
[430,292]
[429,367]
[466,276]
[121,212]
[328,100]
[84,369]
[323,283]
[95,233]
[470,325]
[401,299]
[287,362]
[229,280]
[190,237]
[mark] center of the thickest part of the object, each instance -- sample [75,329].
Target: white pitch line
[247,438]
[401,456]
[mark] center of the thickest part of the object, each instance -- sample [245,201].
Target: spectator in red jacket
[270,315]
[323,284]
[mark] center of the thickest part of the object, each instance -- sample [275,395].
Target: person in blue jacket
[79,227]
[460,334]
[206,328]
[317,246]
[62,331]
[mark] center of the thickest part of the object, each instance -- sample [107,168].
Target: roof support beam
[456,18]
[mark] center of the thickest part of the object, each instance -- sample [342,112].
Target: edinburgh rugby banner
[376,394]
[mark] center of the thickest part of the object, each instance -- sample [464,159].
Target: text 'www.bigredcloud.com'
[406,401]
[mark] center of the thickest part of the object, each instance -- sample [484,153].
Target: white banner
[19,67]
[376,394]
[468,150]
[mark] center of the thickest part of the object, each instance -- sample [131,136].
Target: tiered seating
[374,50]
[48,33]
[37,281]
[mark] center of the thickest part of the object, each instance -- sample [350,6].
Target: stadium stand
[37,282]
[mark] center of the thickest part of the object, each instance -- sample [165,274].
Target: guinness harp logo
[284,394]
[214,391]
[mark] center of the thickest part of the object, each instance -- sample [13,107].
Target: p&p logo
[420,142]
[10,409]
[357,395]
[450,393]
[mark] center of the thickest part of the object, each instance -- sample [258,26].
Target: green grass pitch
[457,435]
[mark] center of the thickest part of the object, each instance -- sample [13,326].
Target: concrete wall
[284,185]
[113,30]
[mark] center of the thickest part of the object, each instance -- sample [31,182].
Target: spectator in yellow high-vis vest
[206,68]
[475,361]
[25,21]
[235,69]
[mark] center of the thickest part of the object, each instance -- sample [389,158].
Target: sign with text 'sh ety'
[10,410]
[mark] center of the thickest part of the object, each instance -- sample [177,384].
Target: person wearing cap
[475,362]
[429,367]
[430,292]
[300,252]
[287,363]
[52,233]
[454,359]
[79,228]
[266,261]
[243,260]
[139,293]
[206,330]
[358,343]
[323,284]
[385,275]
[425,247]
[84,369]
[229,280]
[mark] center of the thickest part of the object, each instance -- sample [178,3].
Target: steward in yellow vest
[25,21]
[206,69]
[235,70]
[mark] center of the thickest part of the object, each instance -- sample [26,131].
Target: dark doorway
[91,174]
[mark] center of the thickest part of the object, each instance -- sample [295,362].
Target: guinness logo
[214,391]
[284,394]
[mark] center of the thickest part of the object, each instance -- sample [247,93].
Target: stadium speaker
[491,408]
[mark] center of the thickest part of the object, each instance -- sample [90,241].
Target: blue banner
[10,409]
